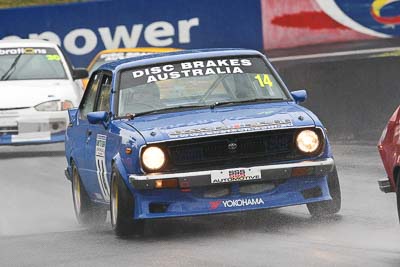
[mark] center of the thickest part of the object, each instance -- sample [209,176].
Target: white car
[37,87]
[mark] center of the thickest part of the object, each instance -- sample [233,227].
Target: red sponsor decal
[303,22]
[215,204]
[314,20]
[237,174]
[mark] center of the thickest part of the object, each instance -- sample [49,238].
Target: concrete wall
[353,98]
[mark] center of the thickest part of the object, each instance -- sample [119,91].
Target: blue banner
[83,29]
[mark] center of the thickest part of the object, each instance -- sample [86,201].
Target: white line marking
[336,54]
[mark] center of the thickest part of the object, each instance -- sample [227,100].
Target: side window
[103,103]
[88,101]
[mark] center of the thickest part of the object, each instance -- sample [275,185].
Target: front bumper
[316,168]
[384,185]
[28,126]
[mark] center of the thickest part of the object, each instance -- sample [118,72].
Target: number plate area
[235,175]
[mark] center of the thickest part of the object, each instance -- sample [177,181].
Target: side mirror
[79,73]
[97,117]
[299,96]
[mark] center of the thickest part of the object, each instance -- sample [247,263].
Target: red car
[389,149]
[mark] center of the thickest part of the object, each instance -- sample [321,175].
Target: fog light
[256,188]
[169,183]
[55,126]
[302,171]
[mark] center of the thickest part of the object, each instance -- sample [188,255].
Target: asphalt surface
[38,228]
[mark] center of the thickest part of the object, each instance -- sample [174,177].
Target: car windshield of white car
[22,63]
[197,83]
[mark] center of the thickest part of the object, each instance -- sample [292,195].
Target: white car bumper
[27,125]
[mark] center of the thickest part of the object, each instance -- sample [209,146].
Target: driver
[144,97]
[244,89]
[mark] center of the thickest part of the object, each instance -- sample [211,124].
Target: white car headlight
[153,158]
[54,105]
[307,141]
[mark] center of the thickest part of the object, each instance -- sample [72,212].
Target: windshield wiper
[212,106]
[10,70]
[132,116]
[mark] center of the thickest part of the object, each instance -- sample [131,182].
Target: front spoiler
[384,185]
[316,168]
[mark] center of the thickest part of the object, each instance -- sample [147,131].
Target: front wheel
[88,214]
[122,206]
[328,207]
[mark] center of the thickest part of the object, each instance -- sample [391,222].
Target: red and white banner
[291,23]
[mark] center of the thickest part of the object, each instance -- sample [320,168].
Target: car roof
[151,50]
[140,50]
[26,43]
[151,59]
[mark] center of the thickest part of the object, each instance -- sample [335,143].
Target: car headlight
[307,141]
[153,158]
[54,105]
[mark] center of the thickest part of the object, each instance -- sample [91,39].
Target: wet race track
[38,227]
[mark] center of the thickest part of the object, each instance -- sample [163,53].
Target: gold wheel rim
[77,193]
[114,202]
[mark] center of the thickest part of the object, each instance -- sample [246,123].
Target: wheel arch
[117,162]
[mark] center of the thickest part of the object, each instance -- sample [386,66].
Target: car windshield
[109,57]
[197,83]
[30,64]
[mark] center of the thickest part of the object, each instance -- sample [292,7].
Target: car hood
[29,93]
[221,120]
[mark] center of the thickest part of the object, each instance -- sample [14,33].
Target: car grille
[238,150]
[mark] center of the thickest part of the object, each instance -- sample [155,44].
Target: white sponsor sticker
[190,69]
[101,142]
[232,203]
[23,50]
[235,175]
[242,202]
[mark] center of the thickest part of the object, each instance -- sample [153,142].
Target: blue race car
[193,133]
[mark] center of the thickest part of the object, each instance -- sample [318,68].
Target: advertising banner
[83,29]
[293,23]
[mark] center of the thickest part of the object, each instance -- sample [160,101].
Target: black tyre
[398,194]
[88,214]
[329,207]
[122,205]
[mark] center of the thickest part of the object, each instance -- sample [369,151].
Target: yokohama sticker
[241,202]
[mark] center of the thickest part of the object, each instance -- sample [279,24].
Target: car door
[82,132]
[103,144]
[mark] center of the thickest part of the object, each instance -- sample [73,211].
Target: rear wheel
[122,206]
[398,194]
[87,213]
[328,207]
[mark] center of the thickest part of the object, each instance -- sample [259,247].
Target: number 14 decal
[263,80]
